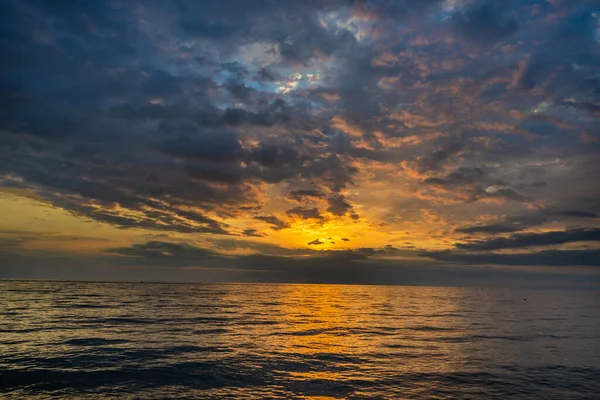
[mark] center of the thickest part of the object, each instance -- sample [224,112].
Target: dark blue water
[205,341]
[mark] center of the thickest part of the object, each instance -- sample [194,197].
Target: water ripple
[145,341]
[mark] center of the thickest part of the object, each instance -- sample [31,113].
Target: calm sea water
[205,341]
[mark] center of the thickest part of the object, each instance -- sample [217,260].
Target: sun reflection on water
[281,341]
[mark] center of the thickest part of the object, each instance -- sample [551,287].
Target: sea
[74,340]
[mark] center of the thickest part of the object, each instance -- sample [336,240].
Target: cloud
[197,117]
[214,146]
[300,195]
[534,239]
[252,232]
[361,259]
[276,223]
[471,184]
[339,206]
[165,250]
[187,262]
[484,23]
[573,213]
[15,239]
[508,224]
[558,258]
[305,213]
[460,177]
[491,229]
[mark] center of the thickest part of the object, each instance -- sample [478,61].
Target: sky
[321,141]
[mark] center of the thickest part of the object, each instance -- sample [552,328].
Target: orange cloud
[346,127]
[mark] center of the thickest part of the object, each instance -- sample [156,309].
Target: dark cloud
[484,23]
[181,254]
[300,195]
[315,242]
[179,118]
[462,176]
[559,258]
[538,184]
[475,183]
[264,75]
[97,199]
[293,28]
[435,160]
[563,61]
[276,156]
[252,232]
[534,239]
[186,262]
[330,171]
[238,89]
[338,205]
[165,250]
[214,146]
[508,224]
[509,194]
[276,222]
[573,213]
[199,140]
[491,229]
[305,213]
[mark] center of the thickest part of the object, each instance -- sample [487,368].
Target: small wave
[209,331]
[196,349]
[308,332]
[513,338]
[402,346]
[123,320]
[257,322]
[338,358]
[76,306]
[39,329]
[382,331]
[429,329]
[36,291]
[93,342]
[207,319]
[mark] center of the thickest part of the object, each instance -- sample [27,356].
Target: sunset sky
[350,141]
